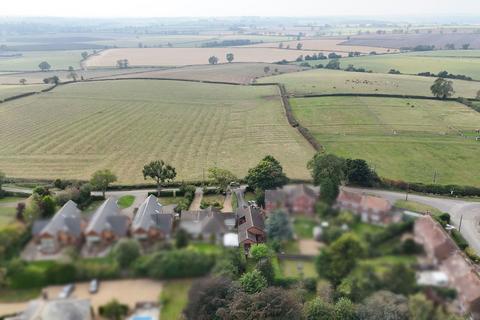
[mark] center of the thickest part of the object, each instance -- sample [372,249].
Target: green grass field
[416,207]
[174,298]
[401,138]
[324,81]
[457,62]
[31,59]
[76,129]
[7,91]
[125,201]
[290,268]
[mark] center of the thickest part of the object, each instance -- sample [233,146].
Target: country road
[467,211]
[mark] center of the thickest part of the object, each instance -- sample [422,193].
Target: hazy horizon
[215,8]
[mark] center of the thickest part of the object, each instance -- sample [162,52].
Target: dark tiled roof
[253,218]
[108,217]
[67,219]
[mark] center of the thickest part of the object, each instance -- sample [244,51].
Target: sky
[218,8]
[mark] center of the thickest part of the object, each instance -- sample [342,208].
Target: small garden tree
[101,179]
[221,177]
[278,226]
[160,172]
[253,282]
[126,251]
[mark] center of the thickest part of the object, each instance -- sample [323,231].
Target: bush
[96,269]
[113,310]
[449,190]
[126,251]
[470,252]
[60,274]
[253,282]
[175,264]
[459,239]
[260,251]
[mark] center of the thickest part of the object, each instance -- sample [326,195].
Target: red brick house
[298,198]
[371,209]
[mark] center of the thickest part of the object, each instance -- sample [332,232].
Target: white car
[66,291]
[93,288]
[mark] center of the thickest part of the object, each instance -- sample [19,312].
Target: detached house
[251,226]
[64,229]
[207,224]
[297,198]
[107,224]
[442,251]
[153,221]
[371,209]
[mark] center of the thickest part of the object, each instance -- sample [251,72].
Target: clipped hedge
[459,239]
[458,190]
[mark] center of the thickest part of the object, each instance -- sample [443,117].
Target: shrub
[253,282]
[459,239]
[260,251]
[126,251]
[175,264]
[266,269]
[113,310]
[470,252]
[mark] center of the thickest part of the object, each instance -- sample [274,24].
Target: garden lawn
[174,298]
[402,139]
[303,227]
[416,207]
[290,268]
[7,215]
[125,201]
[324,81]
[77,129]
[165,201]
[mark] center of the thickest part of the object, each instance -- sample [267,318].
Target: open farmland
[324,81]
[243,73]
[326,45]
[7,91]
[36,77]
[189,56]
[76,129]
[403,139]
[29,61]
[413,63]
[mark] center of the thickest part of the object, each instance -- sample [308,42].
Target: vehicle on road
[66,291]
[93,288]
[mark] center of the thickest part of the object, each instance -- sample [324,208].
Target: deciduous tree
[384,305]
[442,88]
[230,57]
[101,179]
[159,171]
[126,251]
[44,66]
[268,174]
[113,310]
[221,177]
[213,60]
[278,226]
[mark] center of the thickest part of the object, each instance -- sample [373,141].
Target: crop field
[403,139]
[413,63]
[324,81]
[36,77]
[76,129]
[243,73]
[189,56]
[29,61]
[325,45]
[7,91]
[439,40]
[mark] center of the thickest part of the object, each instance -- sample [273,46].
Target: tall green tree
[44,66]
[442,88]
[101,179]
[221,177]
[230,57]
[268,174]
[359,173]
[159,171]
[329,191]
[327,166]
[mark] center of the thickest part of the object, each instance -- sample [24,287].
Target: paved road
[197,200]
[467,211]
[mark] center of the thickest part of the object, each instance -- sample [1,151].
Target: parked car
[66,291]
[93,288]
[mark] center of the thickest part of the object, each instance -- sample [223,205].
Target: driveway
[197,201]
[460,210]
[125,291]
[227,203]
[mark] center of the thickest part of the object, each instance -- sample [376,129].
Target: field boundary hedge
[373,95]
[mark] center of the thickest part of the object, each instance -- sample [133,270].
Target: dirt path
[197,200]
[227,204]
[309,247]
